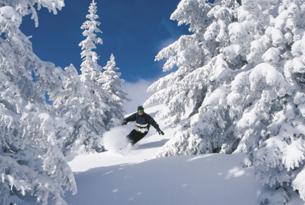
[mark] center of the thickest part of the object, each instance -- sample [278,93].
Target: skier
[143,122]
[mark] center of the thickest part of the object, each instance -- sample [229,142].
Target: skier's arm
[155,125]
[129,119]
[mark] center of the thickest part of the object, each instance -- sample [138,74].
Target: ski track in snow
[135,176]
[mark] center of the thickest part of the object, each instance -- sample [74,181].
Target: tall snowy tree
[94,99]
[31,164]
[112,83]
[245,94]
[68,103]
[201,68]
[84,106]
[90,68]
[83,101]
[272,126]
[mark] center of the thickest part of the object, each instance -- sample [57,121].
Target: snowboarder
[143,122]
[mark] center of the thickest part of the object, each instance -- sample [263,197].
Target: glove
[160,132]
[124,122]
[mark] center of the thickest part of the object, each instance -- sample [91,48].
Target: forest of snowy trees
[37,137]
[235,83]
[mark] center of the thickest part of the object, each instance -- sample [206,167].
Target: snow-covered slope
[213,179]
[145,150]
[137,177]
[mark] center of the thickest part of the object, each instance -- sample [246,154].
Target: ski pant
[135,136]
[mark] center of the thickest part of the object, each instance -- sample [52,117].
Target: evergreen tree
[31,163]
[89,67]
[238,87]
[94,100]
[67,100]
[87,107]
[201,69]
[112,83]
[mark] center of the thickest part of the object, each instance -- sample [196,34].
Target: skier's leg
[132,136]
[139,136]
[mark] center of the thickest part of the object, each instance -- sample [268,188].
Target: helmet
[140,108]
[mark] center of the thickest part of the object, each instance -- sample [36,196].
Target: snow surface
[213,179]
[145,150]
[135,176]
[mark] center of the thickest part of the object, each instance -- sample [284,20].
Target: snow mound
[115,139]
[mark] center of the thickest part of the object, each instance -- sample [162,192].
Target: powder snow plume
[115,139]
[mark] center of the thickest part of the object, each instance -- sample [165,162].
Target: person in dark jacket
[143,122]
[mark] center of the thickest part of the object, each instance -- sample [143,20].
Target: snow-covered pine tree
[251,88]
[90,69]
[84,107]
[31,165]
[83,102]
[201,69]
[67,101]
[95,100]
[112,83]
[271,128]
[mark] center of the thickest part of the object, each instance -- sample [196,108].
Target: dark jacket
[144,120]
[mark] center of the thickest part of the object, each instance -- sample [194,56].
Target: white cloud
[137,93]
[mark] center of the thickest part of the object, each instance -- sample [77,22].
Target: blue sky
[134,30]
